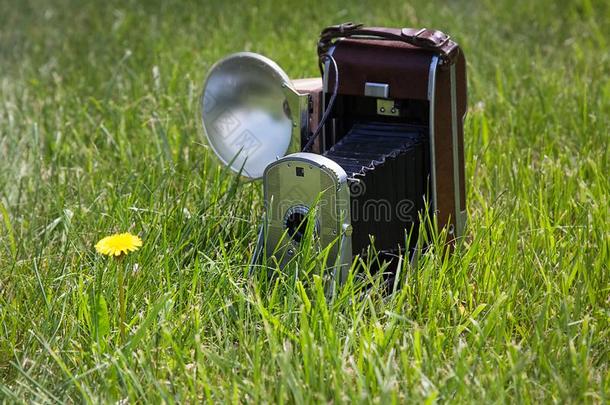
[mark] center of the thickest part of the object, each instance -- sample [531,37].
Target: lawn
[99,133]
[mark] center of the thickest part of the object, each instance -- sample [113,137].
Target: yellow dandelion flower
[118,244]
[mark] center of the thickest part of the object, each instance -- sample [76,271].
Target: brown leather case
[417,64]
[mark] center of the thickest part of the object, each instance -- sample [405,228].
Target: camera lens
[296,223]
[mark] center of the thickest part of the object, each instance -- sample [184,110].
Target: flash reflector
[251,113]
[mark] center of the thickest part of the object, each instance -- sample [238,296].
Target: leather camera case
[424,71]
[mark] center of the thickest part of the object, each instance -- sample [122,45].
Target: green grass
[99,133]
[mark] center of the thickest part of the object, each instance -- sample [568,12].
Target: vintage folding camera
[354,157]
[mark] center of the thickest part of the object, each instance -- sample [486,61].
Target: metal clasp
[430,39]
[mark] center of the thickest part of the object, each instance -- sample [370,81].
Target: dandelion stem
[121,286]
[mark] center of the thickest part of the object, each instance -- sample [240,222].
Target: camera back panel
[408,93]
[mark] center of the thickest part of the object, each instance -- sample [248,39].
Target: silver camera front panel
[296,185]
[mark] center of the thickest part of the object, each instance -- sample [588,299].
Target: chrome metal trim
[378,90]
[317,160]
[459,220]
[431,91]
[330,52]
[299,114]
[387,107]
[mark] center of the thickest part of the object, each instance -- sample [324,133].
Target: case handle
[423,38]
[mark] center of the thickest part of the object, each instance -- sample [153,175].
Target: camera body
[307,194]
[383,133]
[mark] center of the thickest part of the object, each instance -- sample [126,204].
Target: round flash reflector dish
[245,112]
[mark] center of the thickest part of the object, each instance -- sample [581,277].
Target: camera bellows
[368,145]
[387,164]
